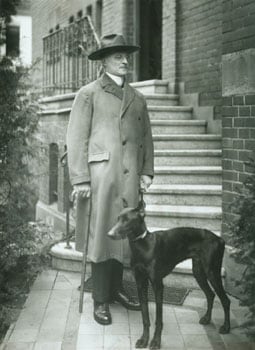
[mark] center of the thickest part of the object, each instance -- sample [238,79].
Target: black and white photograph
[127,174]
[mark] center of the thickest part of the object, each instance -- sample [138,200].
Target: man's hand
[145,182]
[81,190]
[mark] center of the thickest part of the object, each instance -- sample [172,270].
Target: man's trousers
[107,280]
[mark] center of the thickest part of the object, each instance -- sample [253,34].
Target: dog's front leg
[158,292]
[142,289]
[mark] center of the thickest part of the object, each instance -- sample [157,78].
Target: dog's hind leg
[158,292]
[214,277]
[142,283]
[200,276]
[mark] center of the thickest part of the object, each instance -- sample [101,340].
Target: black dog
[154,256]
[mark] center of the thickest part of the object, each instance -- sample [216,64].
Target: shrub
[243,239]
[18,121]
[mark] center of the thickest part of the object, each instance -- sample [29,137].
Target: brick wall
[238,84]
[238,123]
[169,41]
[238,25]
[199,40]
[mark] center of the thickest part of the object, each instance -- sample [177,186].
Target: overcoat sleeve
[148,149]
[78,132]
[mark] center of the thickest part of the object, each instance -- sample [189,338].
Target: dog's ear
[141,207]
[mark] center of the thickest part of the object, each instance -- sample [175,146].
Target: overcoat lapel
[111,87]
[127,99]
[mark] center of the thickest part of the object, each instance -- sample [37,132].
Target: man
[110,155]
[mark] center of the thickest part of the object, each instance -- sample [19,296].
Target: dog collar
[142,236]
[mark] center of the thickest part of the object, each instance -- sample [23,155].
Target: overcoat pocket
[98,157]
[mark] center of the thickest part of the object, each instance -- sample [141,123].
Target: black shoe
[125,300]
[102,313]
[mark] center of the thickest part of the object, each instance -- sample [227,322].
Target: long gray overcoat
[109,144]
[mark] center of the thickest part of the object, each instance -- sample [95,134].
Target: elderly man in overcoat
[110,156]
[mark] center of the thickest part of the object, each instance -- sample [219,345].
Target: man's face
[117,63]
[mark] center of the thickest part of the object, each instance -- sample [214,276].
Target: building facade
[204,51]
[18,35]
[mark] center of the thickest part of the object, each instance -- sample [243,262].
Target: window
[99,7]
[12,40]
[89,10]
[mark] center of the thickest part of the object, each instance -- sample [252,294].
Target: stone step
[187,141]
[187,157]
[170,112]
[166,127]
[169,216]
[162,99]
[201,195]
[61,102]
[188,175]
[153,86]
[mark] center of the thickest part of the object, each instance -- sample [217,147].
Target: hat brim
[101,53]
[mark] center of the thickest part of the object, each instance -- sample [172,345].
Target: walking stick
[87,204]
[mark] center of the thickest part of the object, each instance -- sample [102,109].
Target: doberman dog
[154,256]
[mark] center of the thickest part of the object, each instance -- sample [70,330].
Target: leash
[142,202]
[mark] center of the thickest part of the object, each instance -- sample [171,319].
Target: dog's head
[130,224]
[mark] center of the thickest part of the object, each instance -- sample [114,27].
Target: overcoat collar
[126,94]
[110,86]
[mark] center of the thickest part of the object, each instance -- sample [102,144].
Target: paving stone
[51,317]
[117,342]
[134,317]
[51,322]
[89,341]
[94,328]
[51,334]
[47,346]
[37,299]
[186,316]
[172,341]
[119,314]
[24,335]
[30,318]
[171,328]
[19,346]
[189,328]
[73,320]
[117,329]
[197,341]
[68,346]
[45,281]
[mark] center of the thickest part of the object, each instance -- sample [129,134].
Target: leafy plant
[243,239]
[18,245]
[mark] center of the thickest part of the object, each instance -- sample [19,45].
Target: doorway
[149,35]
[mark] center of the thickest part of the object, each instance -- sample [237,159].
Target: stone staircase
[186,190]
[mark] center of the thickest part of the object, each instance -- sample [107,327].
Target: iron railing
[65,57]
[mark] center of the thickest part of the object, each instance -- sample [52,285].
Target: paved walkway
[50,321]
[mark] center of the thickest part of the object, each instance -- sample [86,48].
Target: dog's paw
[155,344]
[224,329]
[205,320]
[141,343]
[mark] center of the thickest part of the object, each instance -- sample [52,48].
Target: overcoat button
[125,203]
[126,171]
[124,142]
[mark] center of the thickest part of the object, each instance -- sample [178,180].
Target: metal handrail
[65,57]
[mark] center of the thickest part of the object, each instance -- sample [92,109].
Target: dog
[154,256]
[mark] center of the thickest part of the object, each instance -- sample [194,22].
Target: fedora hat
[111,43]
